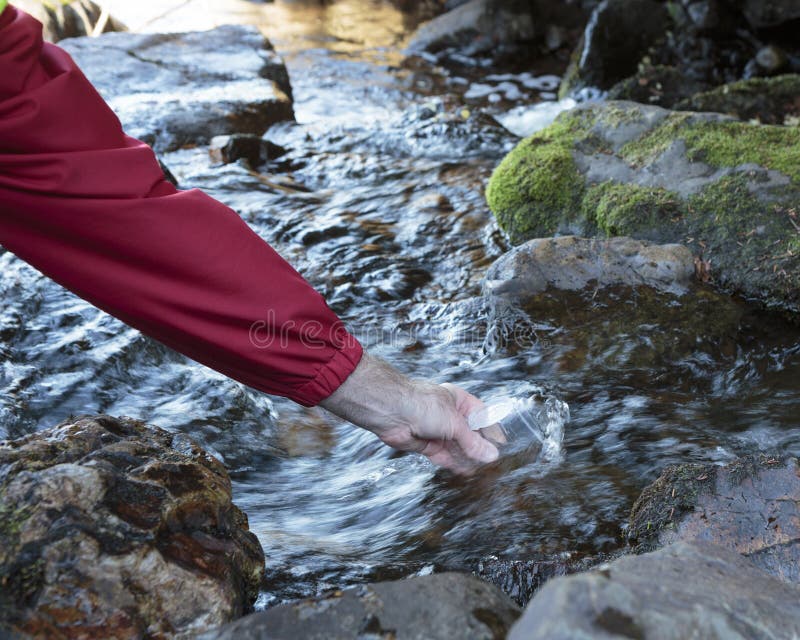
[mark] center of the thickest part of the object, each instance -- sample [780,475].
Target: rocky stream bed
[637,256]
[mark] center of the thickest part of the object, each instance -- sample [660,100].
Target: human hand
[409,415]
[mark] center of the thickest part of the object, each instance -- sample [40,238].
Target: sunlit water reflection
[380,204]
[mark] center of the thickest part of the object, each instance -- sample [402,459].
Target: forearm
[90,208]
[375,396]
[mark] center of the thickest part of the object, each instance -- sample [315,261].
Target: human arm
[412,415]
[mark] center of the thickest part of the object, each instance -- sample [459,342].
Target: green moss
[722,144]
[629,209]
[656,141]
[11,521]
[537,185]
[662,503]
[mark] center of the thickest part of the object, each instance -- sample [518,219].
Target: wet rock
[70,19]
[521,579]
[683,591]
[770,101]
[771,59]
[616,37]
[173,90]
[661,85]
[705,14]
[769,13]
[479,26]
[751,505]
[572,263]
[440,606]
[240,146]
[432,131]
[227,149]
[111,528]
[729,190]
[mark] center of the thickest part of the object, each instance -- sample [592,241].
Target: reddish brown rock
[111,528]
[751,506]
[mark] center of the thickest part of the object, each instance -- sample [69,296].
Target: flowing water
[379,202]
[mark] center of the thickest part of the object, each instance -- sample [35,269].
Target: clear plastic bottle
[520,423]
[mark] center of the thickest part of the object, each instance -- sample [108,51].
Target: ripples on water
[379,203]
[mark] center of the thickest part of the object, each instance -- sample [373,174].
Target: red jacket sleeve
[89,207]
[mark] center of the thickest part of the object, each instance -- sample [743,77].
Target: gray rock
[771,59]
[70,19]
[479,26]
[441,606]
[705,14]
[769,100]
[751,505]
[660,85]
[616,37]
[769,13]
[573,263]
[110,528]
[682,591]
[172,90]
[521,579]
[730,190]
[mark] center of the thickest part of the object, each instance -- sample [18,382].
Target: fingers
[475,446]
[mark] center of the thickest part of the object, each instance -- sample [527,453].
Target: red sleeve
[89,207]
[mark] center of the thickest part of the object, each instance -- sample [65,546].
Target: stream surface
[379,203]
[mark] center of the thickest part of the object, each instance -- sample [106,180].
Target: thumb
[473,445]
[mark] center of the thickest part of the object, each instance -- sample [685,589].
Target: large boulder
[111,528]
[571,263]
[618,34]
[751,505]
[729,190]
[435,607]
[769,100]
[479,26]
[682,591]
[178,89]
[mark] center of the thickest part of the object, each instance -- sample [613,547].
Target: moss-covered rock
[730,190]
[768,100]
[661,85]
[751,505]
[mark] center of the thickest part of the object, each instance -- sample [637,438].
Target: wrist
[375,396]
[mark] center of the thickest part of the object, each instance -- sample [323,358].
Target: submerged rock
[616,37]
[435,607]
[769,100]
[173,90]
[573,263]
[111,528]
[729,190]
[243,146]
[683,591]
[751,505]
[478,26]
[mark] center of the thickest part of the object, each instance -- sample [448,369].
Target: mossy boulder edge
[729,190]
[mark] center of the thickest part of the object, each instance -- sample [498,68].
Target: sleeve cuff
[331,375]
